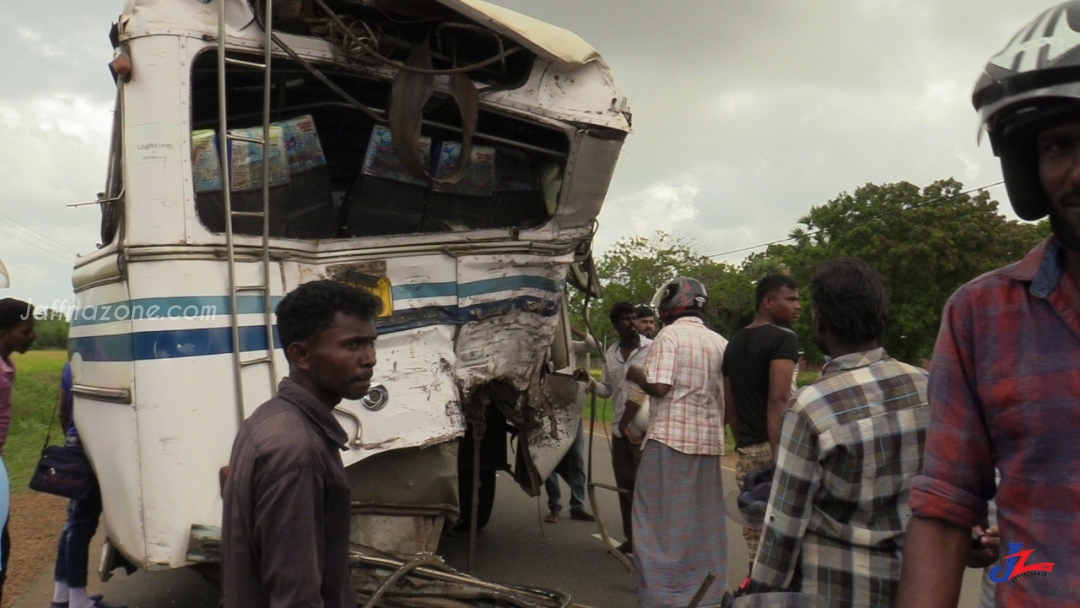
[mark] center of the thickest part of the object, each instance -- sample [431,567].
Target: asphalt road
[516,547]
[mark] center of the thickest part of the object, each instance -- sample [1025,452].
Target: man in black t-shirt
[759,366]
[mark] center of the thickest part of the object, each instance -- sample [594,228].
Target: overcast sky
[746,113]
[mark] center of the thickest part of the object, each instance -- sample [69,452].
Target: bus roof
[552,43]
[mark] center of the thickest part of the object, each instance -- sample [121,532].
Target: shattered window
[333,171]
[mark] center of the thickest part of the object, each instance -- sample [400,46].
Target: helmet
[1031,84]
[678,297]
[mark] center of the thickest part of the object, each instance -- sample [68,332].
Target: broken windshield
[333,172]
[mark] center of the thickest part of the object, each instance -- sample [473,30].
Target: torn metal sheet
[555,415]
[513,302]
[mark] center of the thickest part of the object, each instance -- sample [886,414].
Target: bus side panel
[187,423]
[100,348]
[109,431]
[186,405]
[156,153]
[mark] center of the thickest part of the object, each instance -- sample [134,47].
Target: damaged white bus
[449,155]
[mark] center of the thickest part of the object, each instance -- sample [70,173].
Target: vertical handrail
[264,288]
[226,189]
[268,321]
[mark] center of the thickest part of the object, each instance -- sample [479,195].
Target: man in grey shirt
[285,528]
[631,349]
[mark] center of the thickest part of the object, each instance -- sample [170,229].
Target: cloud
[38,43]
[73,116]
[661,206]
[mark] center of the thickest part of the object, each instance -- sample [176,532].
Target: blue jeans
[72,553]
[576,461]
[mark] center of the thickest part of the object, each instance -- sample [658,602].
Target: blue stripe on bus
[199,342]
[424,290]
[192,307]
[521,281]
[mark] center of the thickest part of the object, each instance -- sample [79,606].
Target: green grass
[604,411]
[37,388]
[805,378]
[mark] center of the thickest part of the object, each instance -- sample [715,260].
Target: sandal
[553,517]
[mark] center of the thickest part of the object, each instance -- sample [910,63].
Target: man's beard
[1067,234]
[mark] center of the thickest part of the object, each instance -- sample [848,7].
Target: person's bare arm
[637,375]
[780,372]
[730,417]
[932,568]
[628,417]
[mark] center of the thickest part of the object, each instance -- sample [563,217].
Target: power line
[880,215]
[32,271]
[32,244]
[38,234]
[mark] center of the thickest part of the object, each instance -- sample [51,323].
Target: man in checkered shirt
[849,447]
[678,516]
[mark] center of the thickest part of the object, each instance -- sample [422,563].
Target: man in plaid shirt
[1005,382]
[849,447]
[678,516]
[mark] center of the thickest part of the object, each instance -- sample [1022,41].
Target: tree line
[924,242]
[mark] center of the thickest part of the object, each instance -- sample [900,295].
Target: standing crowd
[876,480]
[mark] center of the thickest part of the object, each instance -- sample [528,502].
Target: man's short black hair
[311,308]
[644,311]
[13,312]
[771,284]
[619,310]
[849,300]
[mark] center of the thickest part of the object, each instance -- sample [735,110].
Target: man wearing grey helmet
[678,518]
[1005,382]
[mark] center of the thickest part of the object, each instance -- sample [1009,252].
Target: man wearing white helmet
[678,516]
[1005,382]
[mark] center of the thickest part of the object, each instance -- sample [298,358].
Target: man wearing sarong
[678,517]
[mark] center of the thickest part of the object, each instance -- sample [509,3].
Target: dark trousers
[72,552]
[625,458]
[5,546]
[572,469]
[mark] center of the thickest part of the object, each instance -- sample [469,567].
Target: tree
[635,267]
[731,289]
[51,334]
[632,270]
[925,243]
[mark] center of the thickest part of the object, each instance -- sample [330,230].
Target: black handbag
[63,470]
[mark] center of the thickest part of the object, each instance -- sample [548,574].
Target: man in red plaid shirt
[678,516]
[1005,382]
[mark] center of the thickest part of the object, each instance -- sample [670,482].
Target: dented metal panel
[513,303]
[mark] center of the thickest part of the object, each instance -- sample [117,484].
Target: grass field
[37,389]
